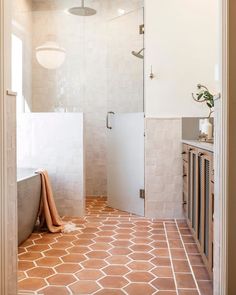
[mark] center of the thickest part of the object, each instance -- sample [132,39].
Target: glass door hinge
[142,194]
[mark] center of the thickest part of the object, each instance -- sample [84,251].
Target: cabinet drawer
[185,152]
[185,201]
[212,174]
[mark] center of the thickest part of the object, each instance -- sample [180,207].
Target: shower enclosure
[86,57]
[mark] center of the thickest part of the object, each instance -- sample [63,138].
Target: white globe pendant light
[50,55]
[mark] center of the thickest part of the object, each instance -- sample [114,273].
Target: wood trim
[221,160]
[8,212]
[231,216]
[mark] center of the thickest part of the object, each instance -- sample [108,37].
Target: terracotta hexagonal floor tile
[55,253]
[123,237]
[113,282]
[48,261]
[66,239]
[94,263]
[161,261]
[101,246]
[122,243]
[140,276]
[140,265]
[31,284]
[30,256]
[35,236]
[25,265]
[120,251]
[38,248]
[160,252]
[82,242]
[21,275]
[141,256]
[163,272]
[68,268]
[106,233]
[40,272]
[21,250]
[140,289]
[26,244]
[84,287]
[98,254]
[185,281]
[141,248]
[141,241]
[86,236]
[124,231]
[78,250]
[103,239]
[110,292]
[91,230]
[74,258]
[89,274]
[188,292]
[108,227]
[116,270]
[52,290]
[166,293]
[118,259]
[167,284]
[61,279]
[62,246]
[159,244]
[45,241]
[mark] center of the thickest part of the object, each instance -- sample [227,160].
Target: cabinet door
[193,189]
[206,209]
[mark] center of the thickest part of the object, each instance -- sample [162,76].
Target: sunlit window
[17,72]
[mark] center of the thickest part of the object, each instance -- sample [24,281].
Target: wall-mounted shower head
[82,10]
[138,53]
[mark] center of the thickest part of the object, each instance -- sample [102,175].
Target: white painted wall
[181,45]
[54,141]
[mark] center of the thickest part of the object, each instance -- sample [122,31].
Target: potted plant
[205,126]
[204,96]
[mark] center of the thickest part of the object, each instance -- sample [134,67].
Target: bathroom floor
[113,253]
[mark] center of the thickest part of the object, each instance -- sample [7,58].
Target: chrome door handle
[11,93]
[107,121]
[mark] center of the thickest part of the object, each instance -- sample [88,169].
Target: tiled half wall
[163,173]
[54,141]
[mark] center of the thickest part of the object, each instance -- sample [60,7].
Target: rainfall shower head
[82,10]
[139,53]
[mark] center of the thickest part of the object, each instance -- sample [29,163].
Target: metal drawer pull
[185,175]
[184,153]
[11,93]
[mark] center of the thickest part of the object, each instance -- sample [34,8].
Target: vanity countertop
[202,145]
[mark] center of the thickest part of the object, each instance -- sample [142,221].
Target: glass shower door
[125,118]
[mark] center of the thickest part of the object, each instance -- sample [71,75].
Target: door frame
[8,248]
[8,196]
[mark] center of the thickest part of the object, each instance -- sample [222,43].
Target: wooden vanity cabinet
[198,199]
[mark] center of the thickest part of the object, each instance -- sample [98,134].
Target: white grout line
[186,253]
[172,266]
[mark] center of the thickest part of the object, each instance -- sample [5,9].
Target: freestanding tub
[28,195]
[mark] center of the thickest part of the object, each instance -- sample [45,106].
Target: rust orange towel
[48,213]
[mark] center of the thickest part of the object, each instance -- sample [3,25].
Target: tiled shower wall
[163,173]
[90,78]
[54,142]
